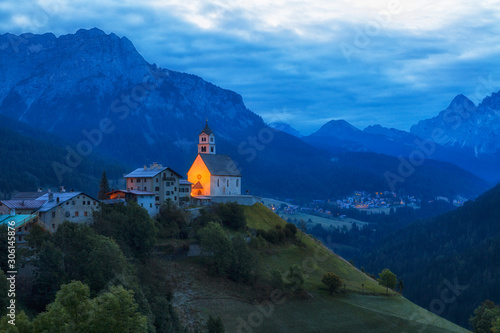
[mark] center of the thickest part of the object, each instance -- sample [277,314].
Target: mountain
[96,92]
[339,135]
[432,257]
[31,161]
[284,127]
[464,125]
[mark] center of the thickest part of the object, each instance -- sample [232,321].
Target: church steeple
[206,143]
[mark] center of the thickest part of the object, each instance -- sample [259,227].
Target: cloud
[389,62]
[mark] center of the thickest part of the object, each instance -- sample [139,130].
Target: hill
[29,161]
[364,307]
[460,247]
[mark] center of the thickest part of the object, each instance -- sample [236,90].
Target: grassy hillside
[363,307]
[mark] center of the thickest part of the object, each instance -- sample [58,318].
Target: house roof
[19,220]
[134,192]
[23,204]
[63,197]
[150,172]
[198,186]
[184,182]
[206,129]
[220,165]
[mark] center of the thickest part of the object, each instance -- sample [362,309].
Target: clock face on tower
[199,176]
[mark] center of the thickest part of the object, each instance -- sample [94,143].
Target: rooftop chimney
[145,167]
[51,196]
[40,189]
[62,189]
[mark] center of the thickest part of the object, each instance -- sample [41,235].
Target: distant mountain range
[97,94]
[462,134]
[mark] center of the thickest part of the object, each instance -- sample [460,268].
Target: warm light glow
[199,169]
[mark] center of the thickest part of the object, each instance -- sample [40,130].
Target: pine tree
[103,187]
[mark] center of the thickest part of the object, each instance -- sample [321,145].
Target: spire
[206,129]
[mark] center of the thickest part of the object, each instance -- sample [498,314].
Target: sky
[303,62]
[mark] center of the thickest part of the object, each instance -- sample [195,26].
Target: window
[175,188]
[73,202]
[20,229]
[84,202]
[228,183]
[138,180]
[150,205]
[142,205]
[175,198]
[203,139]
[157,188]
[157,180]
[88,202]
[217,183]
[211,139]
[53,226]
[168,192]
[85,214]
[204,149]
[94,203]
[25,228]
[131,180]
[53,214]
[67,203]
[237,182]
[76,214]
[20,238]
[211,149]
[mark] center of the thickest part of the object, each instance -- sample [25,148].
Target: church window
[203,139]
[237,182]
[203,149]
[211,149]
[211,139]
[217,183]
[228,183]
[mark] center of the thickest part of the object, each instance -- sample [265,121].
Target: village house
[152,186]
[48,209]
[144,199]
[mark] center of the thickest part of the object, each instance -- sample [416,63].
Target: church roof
[198,186]
[220,165]
[206,129]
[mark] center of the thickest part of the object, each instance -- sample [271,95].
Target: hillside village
[212,178]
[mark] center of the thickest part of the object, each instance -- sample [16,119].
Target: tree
[214,325]
[302,227]
[243,266]
[332,281]
[401,286]
[73,311]
[496,326]
[103,187]
[171,222]
[387,279]
[130,226]
[484,316]
[231,215]
[214,240]
[23,324]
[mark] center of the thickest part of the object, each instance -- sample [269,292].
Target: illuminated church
[212,174]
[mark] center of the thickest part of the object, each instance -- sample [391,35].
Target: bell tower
[206,142]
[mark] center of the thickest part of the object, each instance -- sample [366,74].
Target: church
[212,174]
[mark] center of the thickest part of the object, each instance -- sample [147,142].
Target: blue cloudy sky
[303,62]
